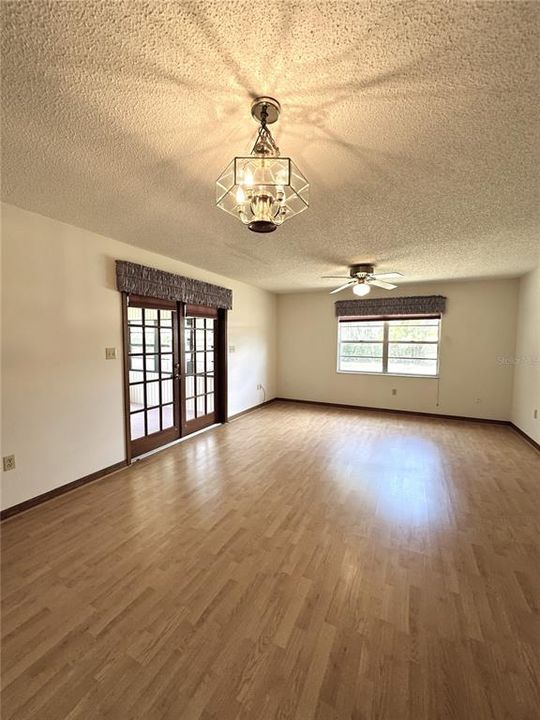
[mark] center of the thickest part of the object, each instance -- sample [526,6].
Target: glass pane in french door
[151,365]
[199,356]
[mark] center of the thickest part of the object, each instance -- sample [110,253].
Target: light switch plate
[8,462]
[110,353]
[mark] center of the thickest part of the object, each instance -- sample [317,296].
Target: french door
[175,370]
[200,334]
[152,373]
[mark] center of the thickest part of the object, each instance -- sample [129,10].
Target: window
[392,347]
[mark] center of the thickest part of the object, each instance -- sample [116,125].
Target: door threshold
[174,442]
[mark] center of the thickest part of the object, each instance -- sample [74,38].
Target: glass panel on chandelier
[254,171]
[299,183]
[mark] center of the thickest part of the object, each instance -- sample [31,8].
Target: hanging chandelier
[264,189]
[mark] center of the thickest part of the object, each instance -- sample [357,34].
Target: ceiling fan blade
[381,284]
[387,275]
[336,276]
[342,287]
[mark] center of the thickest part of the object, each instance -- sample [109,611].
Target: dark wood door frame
[220,371]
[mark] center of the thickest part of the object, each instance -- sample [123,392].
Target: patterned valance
[142,280]
[392,305]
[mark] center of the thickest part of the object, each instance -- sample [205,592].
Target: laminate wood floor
[301,562]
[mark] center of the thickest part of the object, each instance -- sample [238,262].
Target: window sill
[380,374]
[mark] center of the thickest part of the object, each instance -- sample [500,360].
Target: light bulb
[361,289]
[240,196]
[248,178]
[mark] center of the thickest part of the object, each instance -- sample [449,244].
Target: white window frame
[384,372]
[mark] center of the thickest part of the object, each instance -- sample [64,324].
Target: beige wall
[527,357]
[62,402]
[62,405]
[478,331]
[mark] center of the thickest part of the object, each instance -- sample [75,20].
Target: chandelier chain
[264,142]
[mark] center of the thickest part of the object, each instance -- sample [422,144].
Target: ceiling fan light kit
[362,277]
[361,289]
[263,189]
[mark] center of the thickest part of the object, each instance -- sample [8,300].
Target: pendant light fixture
[264,189]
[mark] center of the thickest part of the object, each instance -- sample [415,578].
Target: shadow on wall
[180,112]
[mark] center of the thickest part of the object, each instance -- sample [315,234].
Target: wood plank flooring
[301,562]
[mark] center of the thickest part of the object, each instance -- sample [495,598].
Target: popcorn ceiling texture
[416,123]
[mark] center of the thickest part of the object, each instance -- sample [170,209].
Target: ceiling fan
[361,277]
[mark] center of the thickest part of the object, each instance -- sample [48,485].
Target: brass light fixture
[263,189]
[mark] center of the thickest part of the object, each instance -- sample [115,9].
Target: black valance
[151,282]
[392,306]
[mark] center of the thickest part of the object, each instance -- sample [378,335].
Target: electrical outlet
[232,348]
[110,353]
[259,386]
[9,462]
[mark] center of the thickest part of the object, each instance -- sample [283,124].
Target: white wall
[62,404]
[527,357]
[478,333]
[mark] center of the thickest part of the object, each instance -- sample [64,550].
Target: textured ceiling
[415,122]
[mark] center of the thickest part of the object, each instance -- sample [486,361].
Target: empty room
[270,353]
